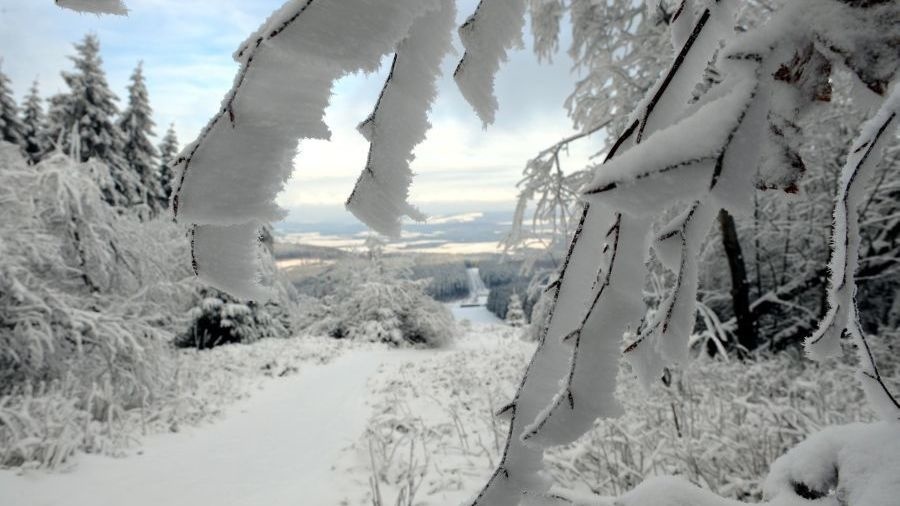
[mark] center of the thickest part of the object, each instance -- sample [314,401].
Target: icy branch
[231,174]
[488,34]
[115,7]
[399,123]
[864,157]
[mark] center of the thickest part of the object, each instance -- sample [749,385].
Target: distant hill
[293,251]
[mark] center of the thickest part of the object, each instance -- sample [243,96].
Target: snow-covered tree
[11,128]
[371,298]
[33,123]
[82,122]
[515,315]
[136,124]
[168,151]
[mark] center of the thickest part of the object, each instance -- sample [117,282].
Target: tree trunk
[740,287]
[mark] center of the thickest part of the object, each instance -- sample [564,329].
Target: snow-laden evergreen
[33,122]
[136,124]
[168,151]
[11,128]
[116,7]
[82,122]
[399,123]
[515,315]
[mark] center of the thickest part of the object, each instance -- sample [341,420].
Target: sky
[186,47]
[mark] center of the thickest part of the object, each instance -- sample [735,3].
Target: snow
[400,121]
[478,315]
[277,448]
[675,163]
[116,7]
[858,462]
[493,29]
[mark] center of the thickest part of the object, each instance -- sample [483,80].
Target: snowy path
[276,448]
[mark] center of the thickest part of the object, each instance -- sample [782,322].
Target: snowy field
[289,440]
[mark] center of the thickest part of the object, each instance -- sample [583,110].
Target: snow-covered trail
[276,448]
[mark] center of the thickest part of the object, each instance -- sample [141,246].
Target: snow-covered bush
[719,424]
[88,301]
[217,322]
[373,299]
[219,319]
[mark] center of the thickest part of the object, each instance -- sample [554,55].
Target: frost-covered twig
[115,7]
[488,34]
[230,176]
[842,314]
[399,122]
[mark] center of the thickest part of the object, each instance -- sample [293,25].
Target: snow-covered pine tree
[11,129]
[515,315]
[33,125]
[83,121]
[137,125]
[168,151]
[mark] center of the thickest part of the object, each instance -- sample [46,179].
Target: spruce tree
[515,315]
[168,150]
[33,125]
[86,115]
[137,125]
[11,129]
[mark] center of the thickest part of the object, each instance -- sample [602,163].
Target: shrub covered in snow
[373,299]
[89,298]
[220,319]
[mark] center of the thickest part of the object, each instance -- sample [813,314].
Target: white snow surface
[116,7]
[277,448]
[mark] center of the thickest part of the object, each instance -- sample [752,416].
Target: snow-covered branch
[115,7]
[842,315]
[488,34]
[230,175]
[399,123]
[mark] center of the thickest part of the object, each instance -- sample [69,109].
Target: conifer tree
[86,115]
[10,127]
[515,315]
[33,125]
[168,150]
[137,125]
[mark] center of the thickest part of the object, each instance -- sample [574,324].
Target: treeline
[446,282]
[504,278]
[86,124]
